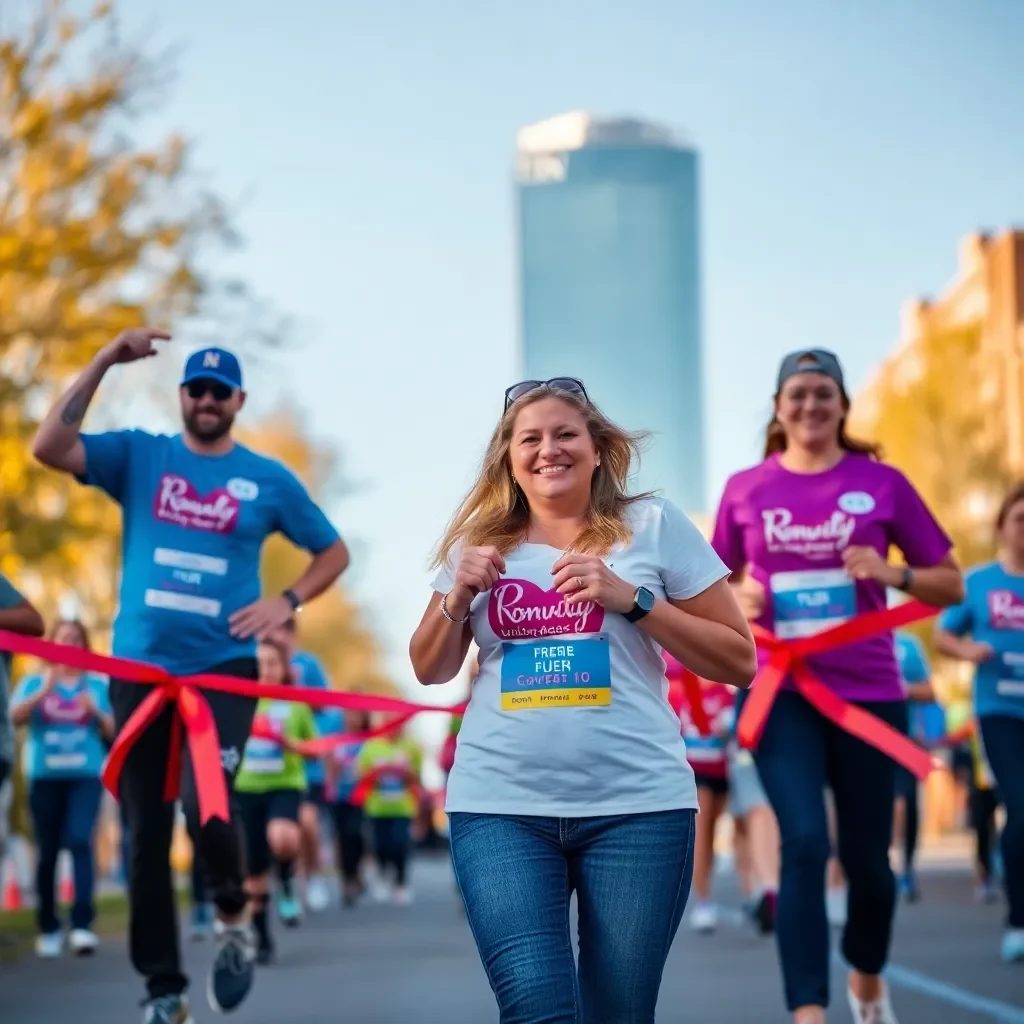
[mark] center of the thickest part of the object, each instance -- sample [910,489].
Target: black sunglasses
[198,388]
[524,387]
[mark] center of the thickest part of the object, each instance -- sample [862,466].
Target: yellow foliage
[330,627]
[82,211]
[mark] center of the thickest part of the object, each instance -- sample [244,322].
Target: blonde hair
[495,512]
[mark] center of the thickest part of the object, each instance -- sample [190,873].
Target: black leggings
[391,841]
[800,753]
[153,931]
[1003,736]
[348,831]
[984,803]
[907,788]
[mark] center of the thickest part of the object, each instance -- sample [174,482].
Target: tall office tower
[609,258]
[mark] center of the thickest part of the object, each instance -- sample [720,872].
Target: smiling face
[810,408]
[209,408]
[1011,533]
[552,454]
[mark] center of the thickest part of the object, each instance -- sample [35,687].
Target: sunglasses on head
[198,388]
[524,387]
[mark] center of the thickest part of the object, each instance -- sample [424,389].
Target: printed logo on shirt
[230,759]
[857,503]
[1005,610]
[177,501]
[242,489]
[518,609]
[813,540]
[58,708]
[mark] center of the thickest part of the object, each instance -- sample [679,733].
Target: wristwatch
[643,602]
[293,599]
[908,579]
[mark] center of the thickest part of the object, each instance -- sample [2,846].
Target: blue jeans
[1003,736]
[631,874]
[64,813]
[800,753]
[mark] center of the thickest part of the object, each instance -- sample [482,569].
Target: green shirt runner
[266,765]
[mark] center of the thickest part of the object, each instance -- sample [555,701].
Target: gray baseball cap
[810,360]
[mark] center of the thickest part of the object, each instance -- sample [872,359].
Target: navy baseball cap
[811,360]
[214,364]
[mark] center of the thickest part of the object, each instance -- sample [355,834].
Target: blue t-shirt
[309,672]
[346,754]
[927,720]
[993,614]
[64,739]
[194,526]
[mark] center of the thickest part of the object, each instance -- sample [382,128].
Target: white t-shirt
[569,716]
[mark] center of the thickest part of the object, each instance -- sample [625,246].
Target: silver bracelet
[448,615]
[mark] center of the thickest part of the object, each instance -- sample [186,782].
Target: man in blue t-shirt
[197,507]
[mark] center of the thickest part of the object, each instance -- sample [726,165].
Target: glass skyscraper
[609,258]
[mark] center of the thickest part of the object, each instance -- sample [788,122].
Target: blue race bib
[807,603]
[562,672]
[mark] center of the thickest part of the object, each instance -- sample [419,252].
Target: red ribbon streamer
[196,718]
[788,658]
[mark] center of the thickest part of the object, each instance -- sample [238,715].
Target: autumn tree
[931,409]
[331,626]
[97,234]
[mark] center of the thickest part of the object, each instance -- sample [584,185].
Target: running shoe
[379,891]
[908,887]
[202,922]
[167,1010]
[289,909]
[1013,946]
[83,942]
[318,896]
[233,967]
[764,912]
[878,1011]
[50,946]
[704,918]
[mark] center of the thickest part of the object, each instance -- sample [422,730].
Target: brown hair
[282,653]
[775,433]
[83,632]
[1013,497]
[495,511]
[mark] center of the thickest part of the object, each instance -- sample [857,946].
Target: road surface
[392,965]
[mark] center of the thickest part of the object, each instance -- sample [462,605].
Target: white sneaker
[835,906]
[704,918]
[317,895]
[878,1011]
[1013,946]
[83,942]
[49,947]
[402,895]
[379,891]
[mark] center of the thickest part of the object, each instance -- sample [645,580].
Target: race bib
[65,749]
[1011,683]
[263,757]
[810,602]
[561,672]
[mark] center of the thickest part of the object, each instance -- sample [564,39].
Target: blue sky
[846,150]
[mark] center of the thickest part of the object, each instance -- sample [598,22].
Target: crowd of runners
[596,615]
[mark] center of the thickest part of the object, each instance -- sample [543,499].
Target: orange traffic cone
[12,893]
[67,890]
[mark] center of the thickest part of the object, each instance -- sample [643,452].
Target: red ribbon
[194,714]
[369,782]
[788,658]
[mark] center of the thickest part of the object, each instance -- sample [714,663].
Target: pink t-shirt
[792,529]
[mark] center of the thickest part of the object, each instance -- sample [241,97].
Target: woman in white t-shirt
[570,773]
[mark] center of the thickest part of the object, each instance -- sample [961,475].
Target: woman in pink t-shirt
[807,534]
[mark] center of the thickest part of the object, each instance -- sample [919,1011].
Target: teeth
[548,470]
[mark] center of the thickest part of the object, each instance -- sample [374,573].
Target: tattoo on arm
[74,410]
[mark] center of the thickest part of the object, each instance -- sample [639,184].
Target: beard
[207,429]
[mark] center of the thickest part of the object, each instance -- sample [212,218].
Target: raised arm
[58,442]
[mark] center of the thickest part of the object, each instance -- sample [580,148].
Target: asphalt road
[393,965]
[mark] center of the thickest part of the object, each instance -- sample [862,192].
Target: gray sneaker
[167,1010]
[233,967]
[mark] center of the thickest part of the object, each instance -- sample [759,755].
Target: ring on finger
[579,582]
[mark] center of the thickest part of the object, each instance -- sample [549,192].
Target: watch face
[645,599]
